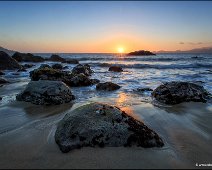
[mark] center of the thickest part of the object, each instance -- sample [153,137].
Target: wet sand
[28,141]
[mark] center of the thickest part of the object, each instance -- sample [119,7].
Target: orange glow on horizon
[112,42]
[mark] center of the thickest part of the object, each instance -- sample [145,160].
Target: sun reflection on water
[123,102]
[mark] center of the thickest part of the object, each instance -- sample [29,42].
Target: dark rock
[2,73]
[141,53]
[27,57]
[27,66]
[58,75]
[178,92]
[0,98]
[85,69]
[45,72]
[46,92]
[55,57]
[108,86]
[3,81]
[115,69]
[57,66]
[81,80]
[71,61]
[102,125]
[7,62]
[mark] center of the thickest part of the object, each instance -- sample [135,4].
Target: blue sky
[100,26]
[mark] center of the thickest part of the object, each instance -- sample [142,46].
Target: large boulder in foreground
[115,69]
[102,125]
[46,92]
[141,53]
[55,57]
[85,69]
[27,57]
[107,86]
[7,62]
[178,92]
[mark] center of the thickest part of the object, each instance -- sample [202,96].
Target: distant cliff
[196,50]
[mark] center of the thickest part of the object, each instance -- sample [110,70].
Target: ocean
[185,128]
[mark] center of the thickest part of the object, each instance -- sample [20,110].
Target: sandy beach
[185,128]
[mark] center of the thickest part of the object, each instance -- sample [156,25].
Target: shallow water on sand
[27,130]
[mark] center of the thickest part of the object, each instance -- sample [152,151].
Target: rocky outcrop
[8,63]
[57,66]
[3,81]
[85,69]
[55,57]
[65,76]
[115,69]
[178,92]
[107,86]
[102,125]
[45,92]
[141,53]
[27,57]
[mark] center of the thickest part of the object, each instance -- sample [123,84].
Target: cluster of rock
[57,58]
[79,76]
[140,53]
[11,63]
[102,125]
[51,85]
[27,57]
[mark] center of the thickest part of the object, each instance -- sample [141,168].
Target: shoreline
[27,130]
[33,145]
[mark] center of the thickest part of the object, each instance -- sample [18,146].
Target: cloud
[194,43]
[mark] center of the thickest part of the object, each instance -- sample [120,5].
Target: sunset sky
[105,26]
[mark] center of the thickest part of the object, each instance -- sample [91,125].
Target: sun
[120,50]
